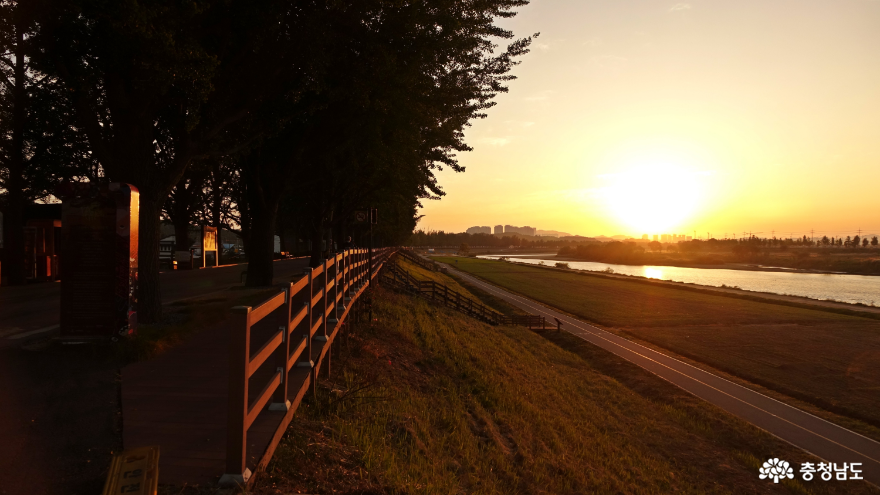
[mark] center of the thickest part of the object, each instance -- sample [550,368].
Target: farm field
[830,360]
[428,400]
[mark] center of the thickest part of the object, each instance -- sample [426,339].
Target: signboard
[209,243]
[361,216]
[134,471]
[99,231]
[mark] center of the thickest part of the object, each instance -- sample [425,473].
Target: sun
[653,197]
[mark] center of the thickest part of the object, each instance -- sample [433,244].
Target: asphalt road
[801,429]
[34,309]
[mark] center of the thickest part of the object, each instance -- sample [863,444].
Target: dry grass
[827,359]
[430,401]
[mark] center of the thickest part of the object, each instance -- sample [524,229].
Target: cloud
[542,46]
[540,96]
[680,7]
[495,141]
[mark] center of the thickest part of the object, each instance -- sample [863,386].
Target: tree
[37,147]
[157,85]
[856,241]
[874,241]
[655,246]
[865,242]
[464,249]
[402,89]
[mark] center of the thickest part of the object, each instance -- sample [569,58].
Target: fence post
[279,399]
[236,433]
[305,359]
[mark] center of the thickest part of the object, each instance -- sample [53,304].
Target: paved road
[815,435]
[30,310]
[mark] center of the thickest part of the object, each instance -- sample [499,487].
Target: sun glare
[653,196]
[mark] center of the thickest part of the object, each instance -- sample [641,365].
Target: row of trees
[256,114]
[439,238]
[754,243]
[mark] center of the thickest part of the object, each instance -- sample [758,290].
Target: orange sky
[634,117]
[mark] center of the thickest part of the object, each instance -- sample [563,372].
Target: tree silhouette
[38,148]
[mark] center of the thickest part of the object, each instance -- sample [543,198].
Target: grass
[827,359]
[430,401]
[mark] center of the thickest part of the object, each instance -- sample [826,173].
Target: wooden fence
[302,320]
[419,260]
[436,291]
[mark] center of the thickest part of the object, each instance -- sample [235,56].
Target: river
[830,287]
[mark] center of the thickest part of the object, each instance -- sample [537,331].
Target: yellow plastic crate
[134,471]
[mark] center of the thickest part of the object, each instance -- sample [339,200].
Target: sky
[699,118]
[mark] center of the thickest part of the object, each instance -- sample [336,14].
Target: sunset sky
[633,117]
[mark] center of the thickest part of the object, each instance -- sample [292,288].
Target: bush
[562,265]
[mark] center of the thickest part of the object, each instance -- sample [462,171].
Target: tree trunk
[262,242]
[13,220]
[180,218]
[316,237]
[149,296]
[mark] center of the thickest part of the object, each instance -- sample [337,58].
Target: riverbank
[818,355]
[427,400]
[683,264]
[844,288]
[806,302]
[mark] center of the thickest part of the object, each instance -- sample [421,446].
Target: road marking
[601,334]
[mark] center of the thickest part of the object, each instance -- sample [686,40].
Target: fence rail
[310,311]
[435,291]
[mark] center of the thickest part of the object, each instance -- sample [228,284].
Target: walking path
[60,412]
[810,433]
[33,310]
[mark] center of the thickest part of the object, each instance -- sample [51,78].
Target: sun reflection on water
[653,273]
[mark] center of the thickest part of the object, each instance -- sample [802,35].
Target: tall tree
[158,84]
[38,144]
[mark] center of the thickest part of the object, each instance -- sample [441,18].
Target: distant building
[655,237]
[510,229]
[479,230]
[644,237]
[499,229]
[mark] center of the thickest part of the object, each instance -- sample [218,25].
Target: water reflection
[852,289]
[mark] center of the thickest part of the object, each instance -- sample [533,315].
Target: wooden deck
[179,401]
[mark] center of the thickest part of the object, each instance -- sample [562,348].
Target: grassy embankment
[827,359]
[428,400]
